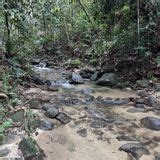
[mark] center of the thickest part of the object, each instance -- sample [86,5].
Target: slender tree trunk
[8,41]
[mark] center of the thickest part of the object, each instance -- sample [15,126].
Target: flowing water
[96,143]
[87,137]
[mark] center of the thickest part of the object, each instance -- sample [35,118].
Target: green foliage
[75,63]
[6,124]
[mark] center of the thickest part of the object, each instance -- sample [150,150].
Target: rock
[82,132]
[142,93]
[76,78]
[87,72]
[53,88]
[45,124]
[126,138]
[4,152]
[108,68]
[35,103]
[30,149]
[17,116]
[139,101]
[135,110]
[52,112]
[151,100]
[63,118]
[47,106]
[113,102]
[143,83]
[87,91]
[98,123]
[35,61]
[122,85]
[108,79]
[135,149]
[37,80]
[95,76]
[157,106]
[139,105]
[98,132]
[151,123]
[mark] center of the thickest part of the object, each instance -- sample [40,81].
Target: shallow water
[64,143]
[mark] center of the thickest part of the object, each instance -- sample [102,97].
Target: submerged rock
[98,123]
[108,79]
[139,105]
[151,101]
[82,132]
[30,149]
[52,112]
[63,118]
[126,138]
[87,91]
[135,110]
[113,102]
[76,78]
[46,125]
[151,123]
[142,93]
[135,149]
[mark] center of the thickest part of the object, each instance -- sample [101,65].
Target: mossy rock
[17,116]
[143,83]
[30,149]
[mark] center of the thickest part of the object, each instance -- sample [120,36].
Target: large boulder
[76,78]
[30,149]
[108,79]
[151,123]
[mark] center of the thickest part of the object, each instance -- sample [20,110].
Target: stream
[101,123]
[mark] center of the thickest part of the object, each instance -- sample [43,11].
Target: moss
[30,149]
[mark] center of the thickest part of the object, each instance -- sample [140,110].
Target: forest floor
[81,120]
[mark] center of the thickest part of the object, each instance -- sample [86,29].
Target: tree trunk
[8,40]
